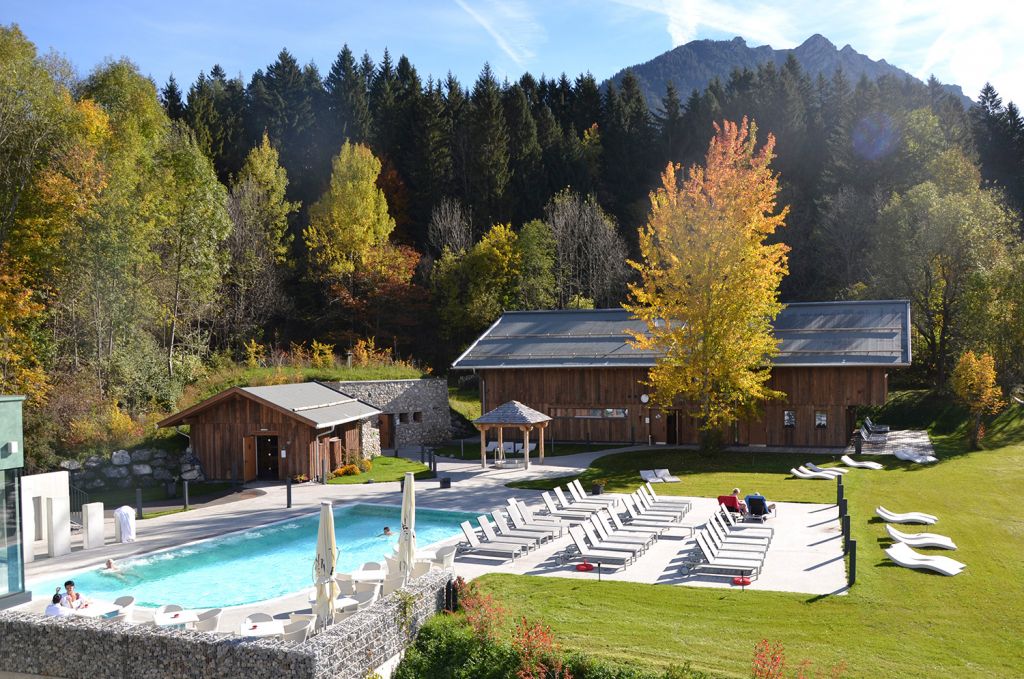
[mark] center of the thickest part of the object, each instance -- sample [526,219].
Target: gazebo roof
[512,413]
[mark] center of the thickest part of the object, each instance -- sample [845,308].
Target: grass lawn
[465,402]
[387,469]
[894,623]
[473,449]
[196,492]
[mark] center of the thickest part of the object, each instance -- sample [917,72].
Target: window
[820,419]
[403,418]
[789,418]
[596,413]
[417,417]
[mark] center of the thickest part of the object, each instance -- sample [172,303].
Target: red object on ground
[743,581]
[585,566]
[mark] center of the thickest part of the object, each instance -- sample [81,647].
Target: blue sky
[961,42]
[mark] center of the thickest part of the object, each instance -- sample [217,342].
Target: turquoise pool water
[257,564]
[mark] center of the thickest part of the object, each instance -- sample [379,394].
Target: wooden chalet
[275,432]
[578,367]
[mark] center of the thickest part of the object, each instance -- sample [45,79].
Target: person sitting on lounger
[756,495]
[71,598]
[741,503]
[55,610]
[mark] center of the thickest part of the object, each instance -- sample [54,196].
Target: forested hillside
[150,232]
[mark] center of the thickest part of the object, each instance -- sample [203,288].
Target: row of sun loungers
[723,547]
[902,551]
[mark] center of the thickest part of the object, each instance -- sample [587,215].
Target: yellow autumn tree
[974,383]
[709,280]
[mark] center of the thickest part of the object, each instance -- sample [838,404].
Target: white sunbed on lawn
[665,476]
[920,539]
[836,471]
[911,456]
[649,476]
[859,464]
[503,549]
[906,517]
[805,473]
[902,554]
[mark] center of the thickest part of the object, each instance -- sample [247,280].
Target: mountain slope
[695,64]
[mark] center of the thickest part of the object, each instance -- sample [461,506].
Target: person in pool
[71,598]
[387,532]
[55,610]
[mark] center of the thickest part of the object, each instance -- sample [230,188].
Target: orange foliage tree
[709,280]
[974,383]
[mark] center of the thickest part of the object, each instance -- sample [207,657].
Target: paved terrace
[806,555]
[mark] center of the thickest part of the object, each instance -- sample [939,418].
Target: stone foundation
[136,469]
[84,648]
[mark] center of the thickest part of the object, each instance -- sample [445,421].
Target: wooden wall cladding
[561,392]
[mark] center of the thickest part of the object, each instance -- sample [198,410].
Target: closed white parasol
[323,567]
[407,539]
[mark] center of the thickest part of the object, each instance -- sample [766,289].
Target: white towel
[125,518]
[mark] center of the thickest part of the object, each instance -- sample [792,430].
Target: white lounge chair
[906,517]
[836,471]
[606,535]
[505,530]
[920,539]
[649,476]
[587,504]
[868,437]
[911,456]
[804,473]
[875,428]
[637,513]
[209,621]
[580,496]
[859,464]
[523,517]
[666,500]
[601,556]
[126,605]
[729,520]
[492,537]
[707,559]
[501,549]
[570,514]
[296,631]
[718,523]
[607,519]
[665,476]
[902,554]
[646,505]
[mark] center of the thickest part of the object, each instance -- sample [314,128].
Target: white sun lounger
[583,506]
[804,473]
[638,511]
[666,500]
[571,514]
[859,464]
[579,496]
[728,532]
[836,471]
[649,476]
[906,517]
[712,561]
[529,516]
[504,530]
[902,554]
[736,543]
[729,519]
[920,539]
[605,534]
[520,521]
[492,537]
[911,456]
[503,549]
[601,556]
[665,476]
[875,428]
[644,503]
[612,523]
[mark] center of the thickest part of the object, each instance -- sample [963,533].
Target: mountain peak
[818,41]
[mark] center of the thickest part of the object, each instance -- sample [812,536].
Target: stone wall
[369,439]
[84,648]
[136,469]
[420,407]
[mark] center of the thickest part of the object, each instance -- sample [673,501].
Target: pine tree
[490,151]
[349,112]
[586,103]
[170,97]
[526,189]
[671,126]
[385,109]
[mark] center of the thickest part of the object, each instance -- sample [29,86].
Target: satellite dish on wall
[644,398]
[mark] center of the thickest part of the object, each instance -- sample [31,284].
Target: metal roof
[512,413]
[818,334]
[321,405]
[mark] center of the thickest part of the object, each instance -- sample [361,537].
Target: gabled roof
[512,413]
[312,403]
[812,334]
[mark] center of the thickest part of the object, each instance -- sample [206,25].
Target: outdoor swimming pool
[260,563]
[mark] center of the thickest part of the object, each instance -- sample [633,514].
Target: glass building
[12,459]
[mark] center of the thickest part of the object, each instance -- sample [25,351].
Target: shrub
[347,470]
[300,478]
[322,355]
[365,466]
[255,354]
[365,352]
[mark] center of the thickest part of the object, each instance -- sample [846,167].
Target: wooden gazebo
[513,415]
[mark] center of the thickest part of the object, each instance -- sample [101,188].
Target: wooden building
[578,367]
[277,431]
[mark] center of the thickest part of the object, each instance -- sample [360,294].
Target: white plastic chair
[296,631]
[209,621]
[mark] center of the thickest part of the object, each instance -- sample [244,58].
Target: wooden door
[659,428]
[352,450]
[249,458]
[387,431]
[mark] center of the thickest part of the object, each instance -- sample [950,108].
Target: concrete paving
[806,555]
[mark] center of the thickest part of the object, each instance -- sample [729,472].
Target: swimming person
[111,569]
[110,565]
[387,532]
[55,610]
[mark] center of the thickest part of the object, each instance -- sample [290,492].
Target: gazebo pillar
[526,446]
[542,427]
[483,447]
[500,455]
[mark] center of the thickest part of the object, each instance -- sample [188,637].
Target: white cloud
[510,23]
[687,20]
